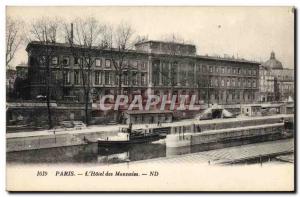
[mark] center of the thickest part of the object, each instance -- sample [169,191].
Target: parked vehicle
[72,124]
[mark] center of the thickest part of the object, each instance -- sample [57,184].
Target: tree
[119,41]
[45,31]
[14,38]
[84,36]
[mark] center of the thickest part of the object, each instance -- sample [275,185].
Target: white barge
[222,135]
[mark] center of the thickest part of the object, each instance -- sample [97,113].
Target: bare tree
[45,31]
[14,38]
[84,37]
[120,40]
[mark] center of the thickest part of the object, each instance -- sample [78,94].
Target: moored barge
[223,135]
[128,136]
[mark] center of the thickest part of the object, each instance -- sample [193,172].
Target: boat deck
[210,132]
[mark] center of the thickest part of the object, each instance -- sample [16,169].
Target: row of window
[213,95]
[107,63]
[234,83]
[229,70]
[202,81]
[225,96]
[108,78]
[212,69]
[233,96]
[99,62]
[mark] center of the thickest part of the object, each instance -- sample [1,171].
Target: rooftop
[31,44]
[164,42]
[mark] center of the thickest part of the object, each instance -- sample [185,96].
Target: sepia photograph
[150,98]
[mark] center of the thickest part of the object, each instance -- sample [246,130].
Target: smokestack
[71,33]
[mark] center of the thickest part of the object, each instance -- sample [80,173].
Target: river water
[92,153]
[89,153]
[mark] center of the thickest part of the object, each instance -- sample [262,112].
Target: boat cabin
[251,110]
[148,117]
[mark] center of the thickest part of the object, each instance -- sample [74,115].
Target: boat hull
[131,141]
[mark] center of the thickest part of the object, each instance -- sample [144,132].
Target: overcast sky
[247,32]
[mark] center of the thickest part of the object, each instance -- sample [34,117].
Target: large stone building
[154,67]
[276,82]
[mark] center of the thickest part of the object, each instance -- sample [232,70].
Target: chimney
[71,37]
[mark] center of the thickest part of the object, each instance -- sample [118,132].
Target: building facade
[276,82]
[266,85]
[154,67]
[285,83]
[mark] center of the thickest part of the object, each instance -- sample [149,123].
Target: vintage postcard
[150,98]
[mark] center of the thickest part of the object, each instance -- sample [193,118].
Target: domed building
[276,82]
[273,63]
